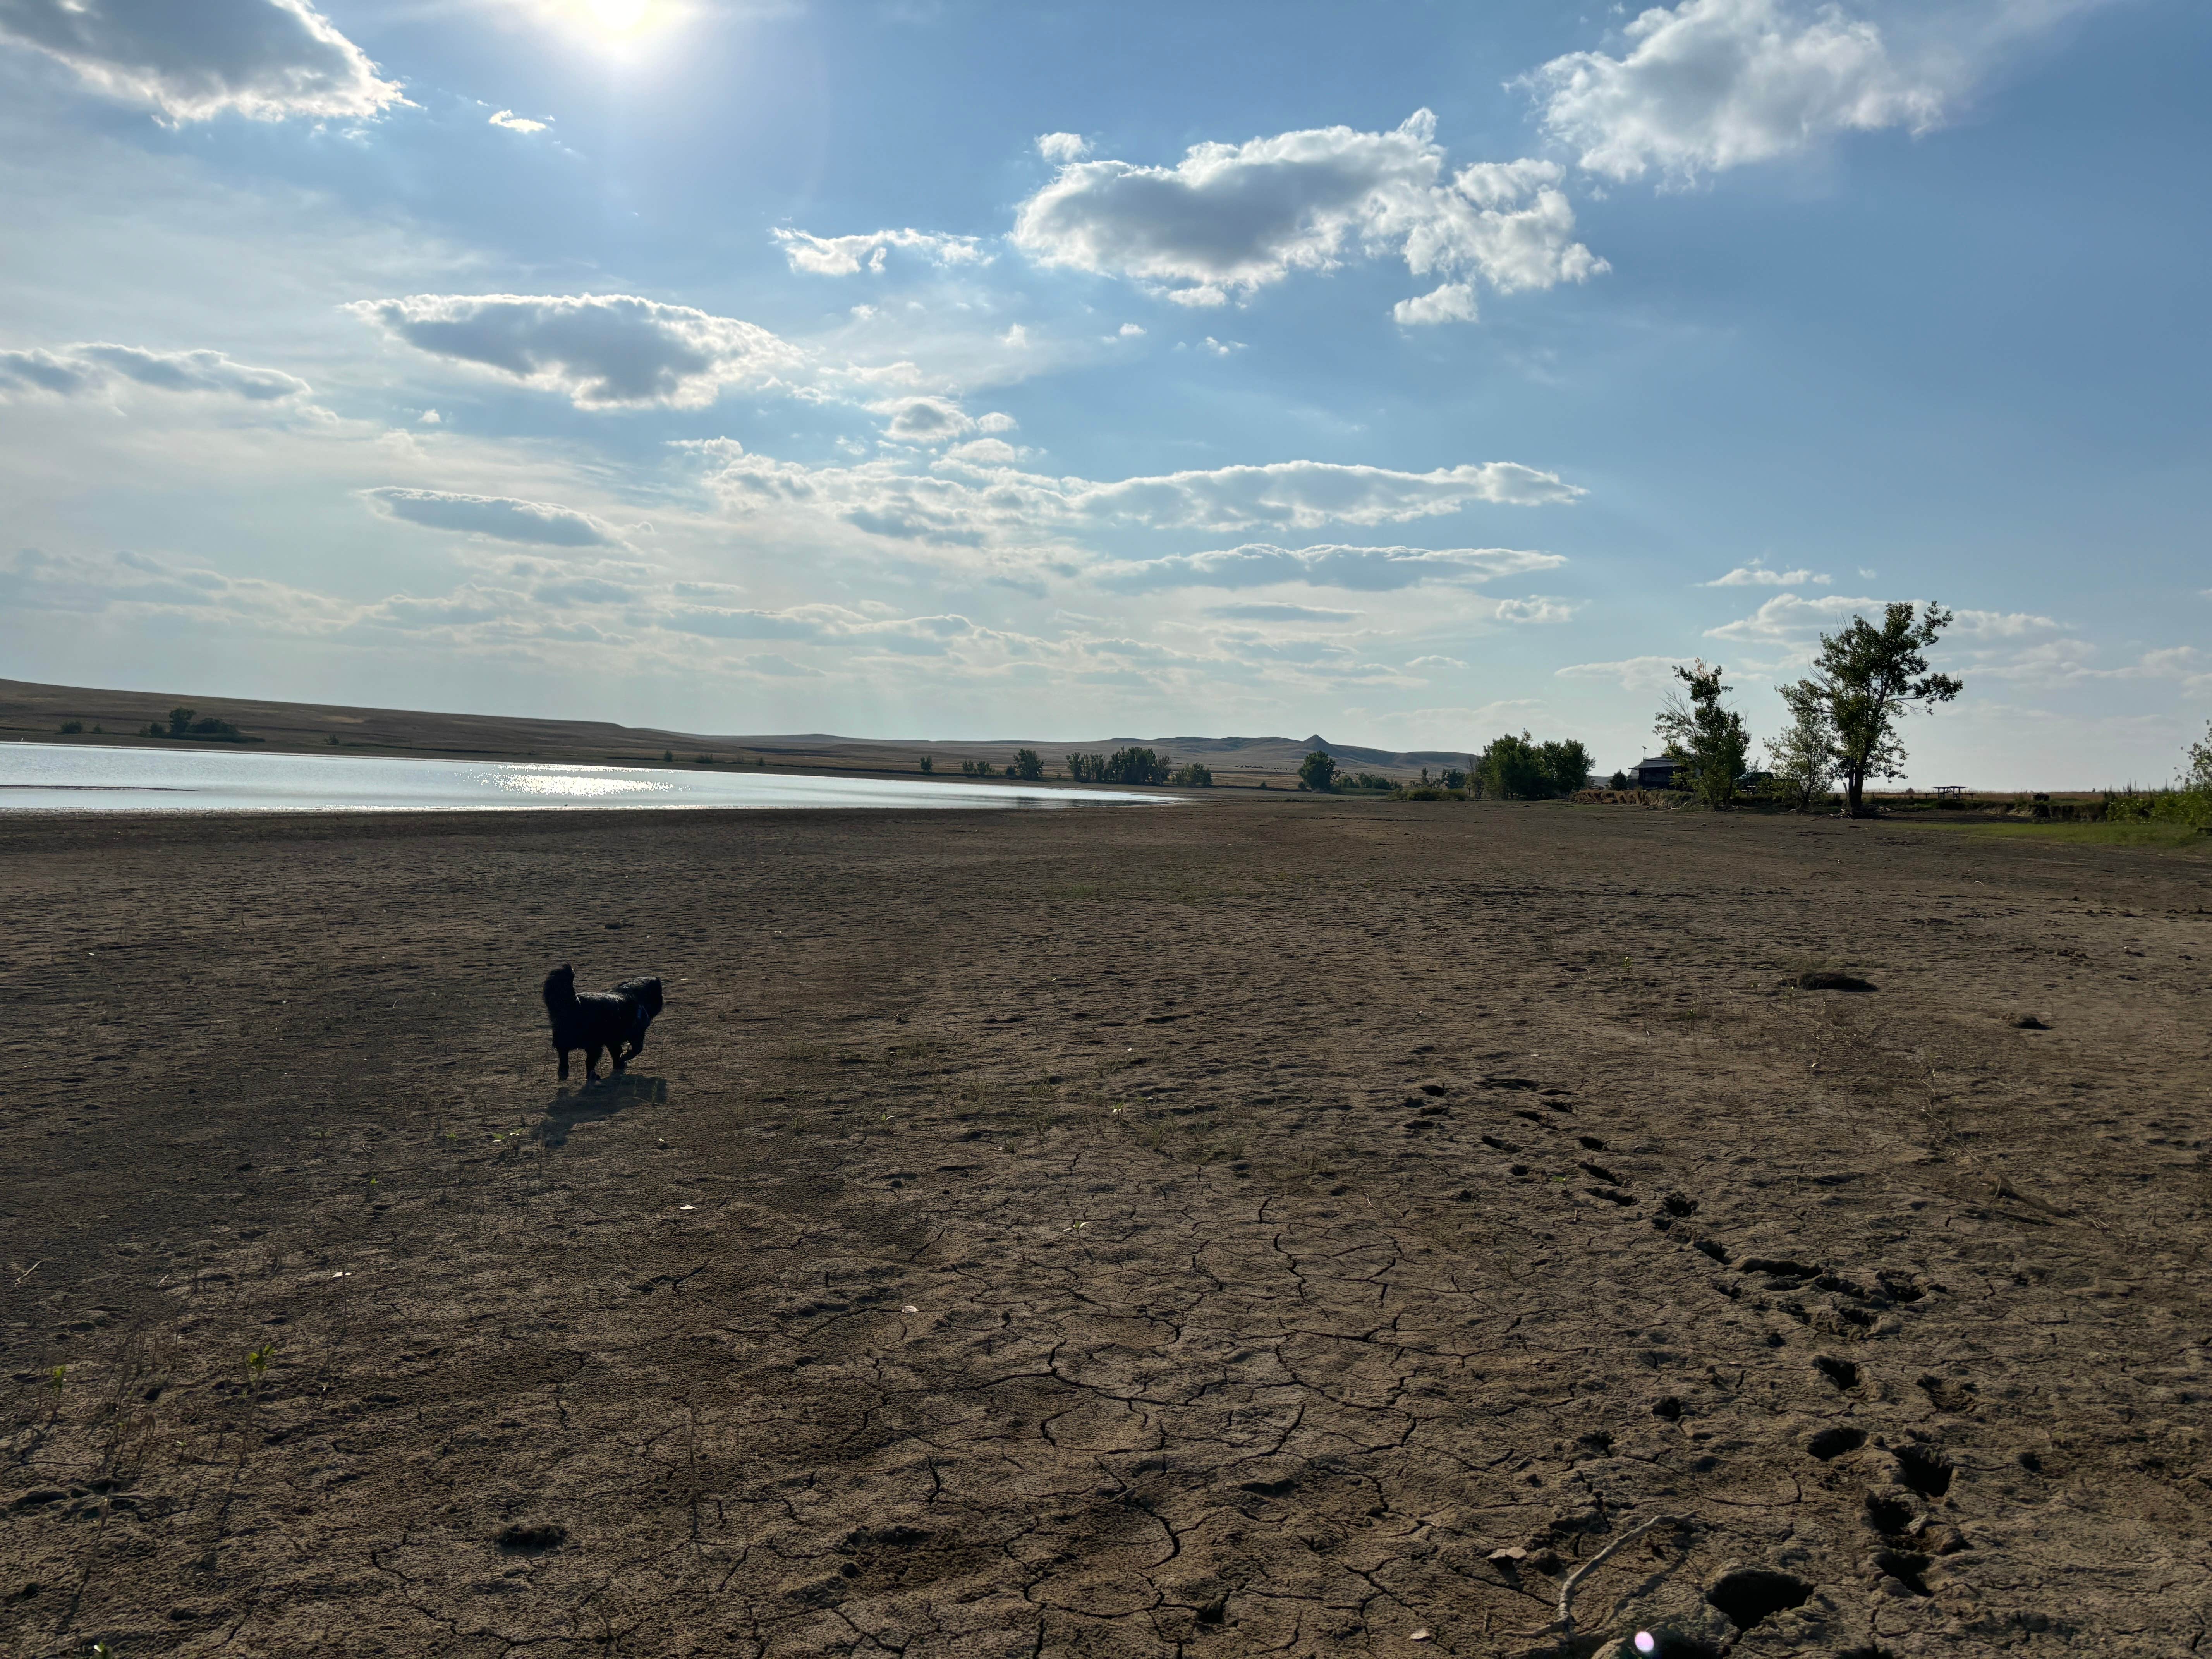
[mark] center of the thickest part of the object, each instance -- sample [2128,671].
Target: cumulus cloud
[846,256]
[1791,619]
[1537,608]
[601,350]
[1229,219]
[2000,624]
[1436,662]
[513,122]
[1756,574]
[1063,146]
[76,370]
[960,502]
[499,517]
[924,420]
[1358,570]
[263,58]
[1717,83]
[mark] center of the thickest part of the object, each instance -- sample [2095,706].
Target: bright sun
[620,22]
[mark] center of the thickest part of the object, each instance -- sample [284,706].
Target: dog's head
[561,984]
[645,993]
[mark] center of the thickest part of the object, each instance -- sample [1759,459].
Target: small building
[1654,772]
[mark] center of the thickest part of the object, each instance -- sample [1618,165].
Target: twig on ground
[1564,1623]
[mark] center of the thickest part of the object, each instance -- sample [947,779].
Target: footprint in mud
[1946,1396]
[1745,1595]
[1926,1472]
[1832,1442]
[1841,1372]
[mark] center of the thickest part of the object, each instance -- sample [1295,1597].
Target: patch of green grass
[2127,833]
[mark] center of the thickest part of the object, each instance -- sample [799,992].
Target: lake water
[212,778]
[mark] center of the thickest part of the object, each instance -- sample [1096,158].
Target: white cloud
[1361,569]
[34,581]
[1756,574]
[1287,613]
[1537,608]
[513,122]
[1718,84]
[1436,662]
[959,502]
[1643,674]
[189,61]
[1792,619]
[1451,302]
[995,421]
[1063,146]
[501,517]
[2002,624]
[76,370]
[846,256]
[1232,218]
[601,350]
[924,420]
[1131,331]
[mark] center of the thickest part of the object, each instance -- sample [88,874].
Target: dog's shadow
[592,1102]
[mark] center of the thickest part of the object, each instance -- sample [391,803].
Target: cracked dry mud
[1260,1227]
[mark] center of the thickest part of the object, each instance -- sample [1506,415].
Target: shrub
[927,763]
[1027,766]
[72,728]
[1318,771]
[1196,775]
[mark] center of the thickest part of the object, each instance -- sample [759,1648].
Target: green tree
[1803,760]
[180,721]
[1512,769]
[928,763]
[1868,679]
[1195,775]
[1027,766]
[1566,765]
[2198,779]
[1707,740]
[1318,772]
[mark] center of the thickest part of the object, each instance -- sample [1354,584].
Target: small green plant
[256,1359]
[58,1380]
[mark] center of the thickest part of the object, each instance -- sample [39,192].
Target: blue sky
[1405,372]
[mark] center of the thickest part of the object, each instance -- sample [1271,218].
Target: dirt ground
[1289,1227]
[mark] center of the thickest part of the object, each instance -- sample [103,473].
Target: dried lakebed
[1278,1226]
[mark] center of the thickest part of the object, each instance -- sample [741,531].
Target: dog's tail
[560,989]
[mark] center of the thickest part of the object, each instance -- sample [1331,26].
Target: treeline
[191,723]
[1122,766]
[1510,768]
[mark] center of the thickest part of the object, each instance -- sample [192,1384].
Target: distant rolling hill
[33,713]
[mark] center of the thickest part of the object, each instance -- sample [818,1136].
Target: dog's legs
[564,1066]
[591,1062]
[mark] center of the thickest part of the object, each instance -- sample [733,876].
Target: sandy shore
[1223,1229]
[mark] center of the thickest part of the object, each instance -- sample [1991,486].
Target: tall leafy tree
[1707,740]
[1804,758]
[1868,678]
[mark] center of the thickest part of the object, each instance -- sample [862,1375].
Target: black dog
[600,1019]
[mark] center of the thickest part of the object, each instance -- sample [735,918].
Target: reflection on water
[69,777]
